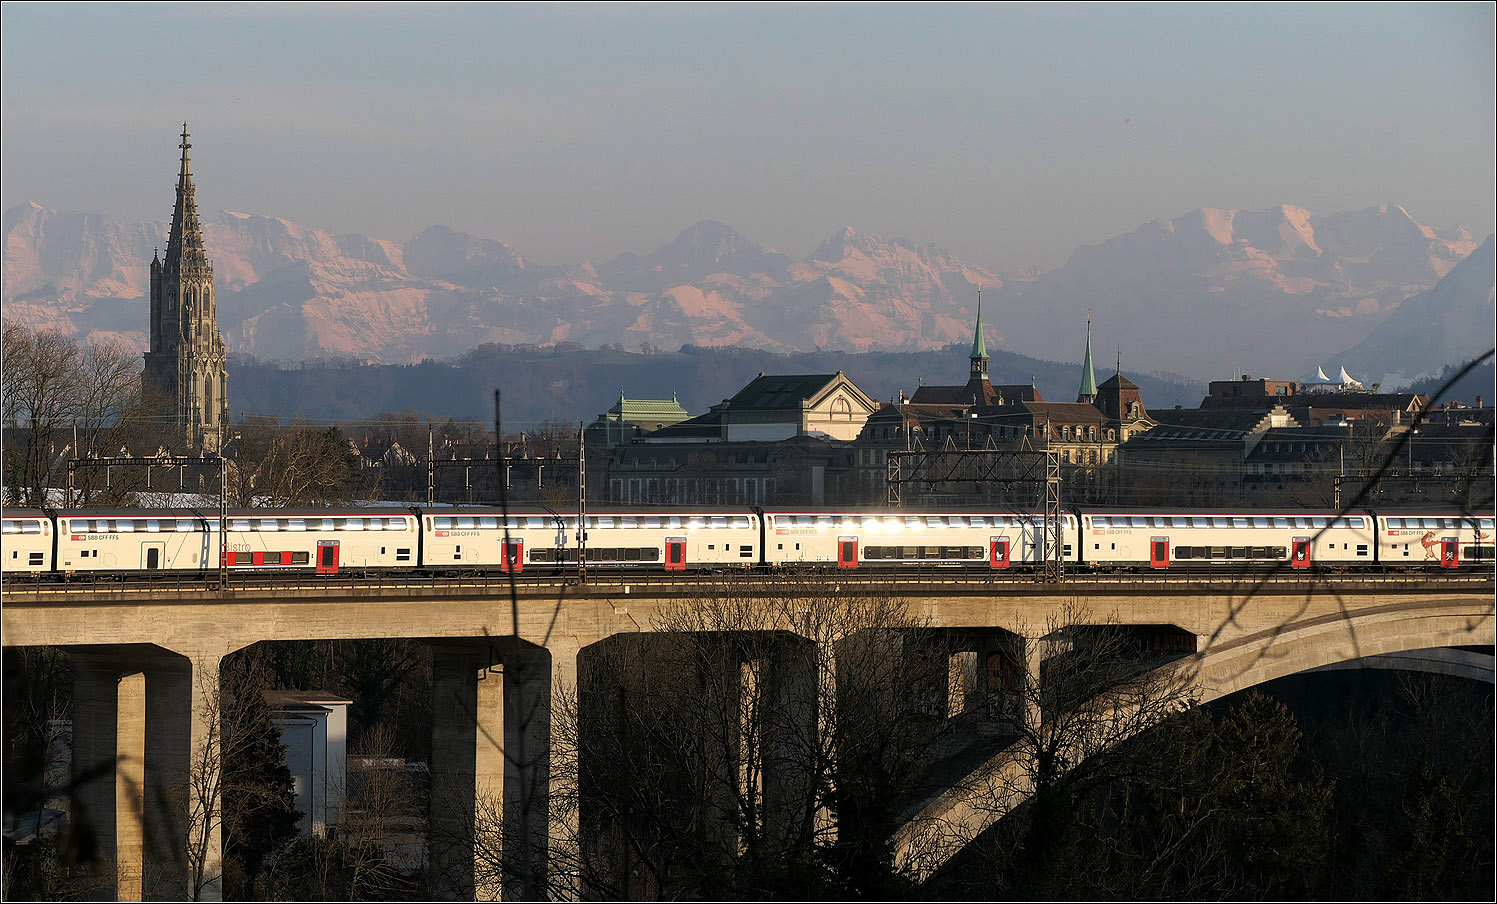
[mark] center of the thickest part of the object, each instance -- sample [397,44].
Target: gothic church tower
[186,363]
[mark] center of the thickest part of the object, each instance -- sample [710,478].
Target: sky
[1007,134]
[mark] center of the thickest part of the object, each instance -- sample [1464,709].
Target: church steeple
[185,366]
[979,356]
[1088,391]
[184,244]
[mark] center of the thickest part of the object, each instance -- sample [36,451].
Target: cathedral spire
[979,356]
[1088,391]
[186,363]
[184,245]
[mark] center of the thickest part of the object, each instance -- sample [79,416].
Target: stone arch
[948,823]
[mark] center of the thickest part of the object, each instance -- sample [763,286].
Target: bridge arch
[977,801]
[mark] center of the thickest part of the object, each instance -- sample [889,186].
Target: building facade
[186,367]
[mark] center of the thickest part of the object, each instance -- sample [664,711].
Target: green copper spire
[979,356]
[1088,391]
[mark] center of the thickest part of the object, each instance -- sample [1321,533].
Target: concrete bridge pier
[491,770]
[145,725]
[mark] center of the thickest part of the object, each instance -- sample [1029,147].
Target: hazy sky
[1007,134]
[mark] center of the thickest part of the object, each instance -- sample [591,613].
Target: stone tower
[186,363]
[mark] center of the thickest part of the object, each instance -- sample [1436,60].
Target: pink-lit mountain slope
[1208,293]
[288,291]
[1216,292]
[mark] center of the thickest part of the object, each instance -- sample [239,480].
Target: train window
[1277,552]
[934,521]
[1258,552]
[1239,522]
[1487,523]
[1395,523]
[823,520]
[1357,523]
[268,524]
[1176,521]
[1219,552]
[374,524]
[1219,522]
[1260,522]
[10,527]
[719,521]
[1183,552]
[441,523]
[1318,523]
[1338,523]
[604,521]
[1281,522]
[358,523]
[31,527]
[272,558]
[540,521]
[239,524]
[463,523]
[631,555]
[651,522]
[125,526]
[1099,521]
[153,525]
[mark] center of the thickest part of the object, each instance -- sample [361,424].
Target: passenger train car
[470,539]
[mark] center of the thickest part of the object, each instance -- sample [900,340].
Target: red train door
[1300,557]
[847,552]
[675,553]
[514,555]
[327,556]
[1450,552]
[1159,552]
[998,555]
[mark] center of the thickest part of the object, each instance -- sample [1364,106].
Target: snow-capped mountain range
[1207,293]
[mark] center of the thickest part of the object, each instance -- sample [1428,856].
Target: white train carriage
[135,540]
[320,541]
[667,541]
[25,542]
[850,540]
[1424,539]
[1162,540]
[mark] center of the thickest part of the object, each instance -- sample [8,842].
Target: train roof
[210,513]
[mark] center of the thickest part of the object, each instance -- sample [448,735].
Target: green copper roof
[979,348]
[1088,375]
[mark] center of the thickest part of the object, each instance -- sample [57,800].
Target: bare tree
[60,400]
[760,742]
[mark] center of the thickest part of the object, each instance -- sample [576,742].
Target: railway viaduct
[147,658]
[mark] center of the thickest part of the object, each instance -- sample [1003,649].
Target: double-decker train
[128,542]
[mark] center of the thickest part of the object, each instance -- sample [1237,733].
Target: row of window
[877,521]
[1230,521]
[1439,523]
[20,526]
[600,554]
[263,525]
[1232,552]
[924,552]
[668,522]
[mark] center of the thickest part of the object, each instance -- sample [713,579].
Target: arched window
[841,411]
